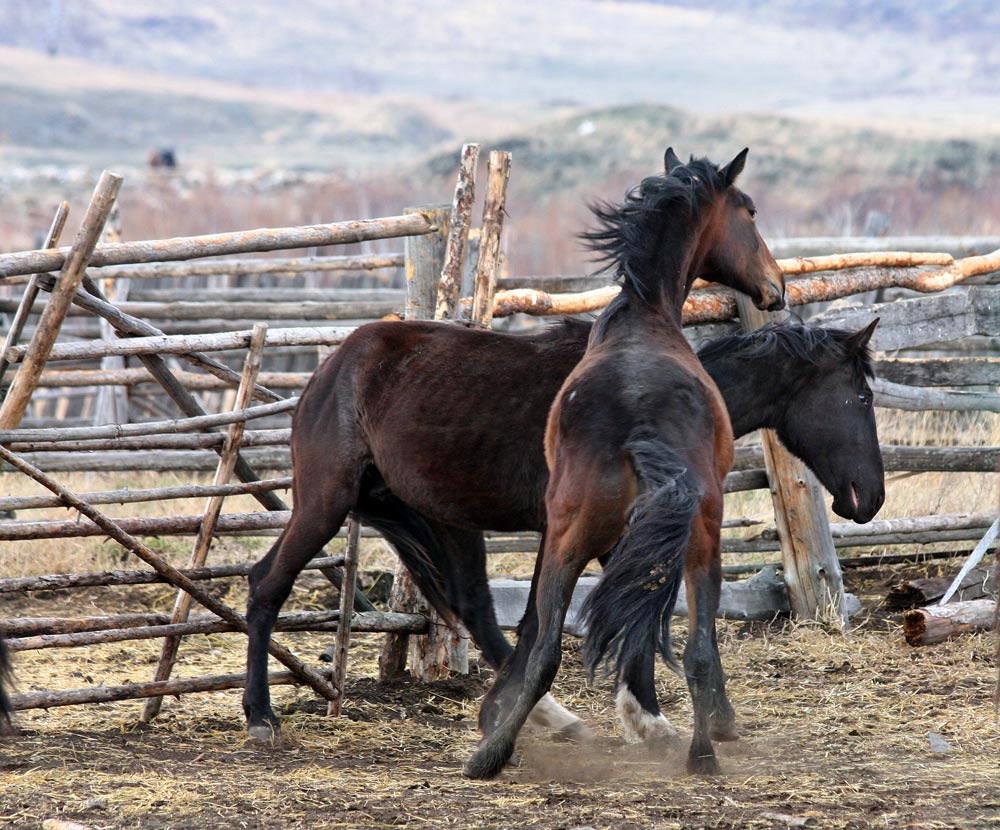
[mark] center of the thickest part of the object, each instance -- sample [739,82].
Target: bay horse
[346,458]
[638,443]
[496,472]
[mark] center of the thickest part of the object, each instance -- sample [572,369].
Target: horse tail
[629,610]
[5,679]
[415,542]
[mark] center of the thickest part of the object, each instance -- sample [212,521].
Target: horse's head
[830,423]
[731,250]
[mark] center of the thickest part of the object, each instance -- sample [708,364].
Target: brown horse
[638,443]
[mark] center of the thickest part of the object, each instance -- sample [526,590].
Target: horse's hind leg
[713,713]
[314,522]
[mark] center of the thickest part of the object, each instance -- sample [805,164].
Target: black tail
[629,610]
[415,542]
[5,679]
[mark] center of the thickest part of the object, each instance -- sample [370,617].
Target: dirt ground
[860,731]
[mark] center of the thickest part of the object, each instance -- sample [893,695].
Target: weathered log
[483,301]
[55,582]
[254,438]
[959,246]
[272,266]
[160,461]
[270,294]
[76,378]
[916,399]
[920,321]
[984,544]
[236,242]
[181,344]
[913,593]
[450,283]
[159,625]
[873,259]
[152,427]
[141,526]
[941,371]
[927,626]
[73,262]
[248,310]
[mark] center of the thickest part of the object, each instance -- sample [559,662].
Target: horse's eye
[753,213]
[865,399]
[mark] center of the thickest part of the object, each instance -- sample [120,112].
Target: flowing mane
[628,234]
[811,344]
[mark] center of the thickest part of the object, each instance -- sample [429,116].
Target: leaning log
[927,626]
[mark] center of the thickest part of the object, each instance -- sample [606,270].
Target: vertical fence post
[489,242]
[111,406]
[442,650]
[812,570]
[458,235]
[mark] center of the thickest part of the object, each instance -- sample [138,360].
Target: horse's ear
[735,167]
[670,160]
[859,340]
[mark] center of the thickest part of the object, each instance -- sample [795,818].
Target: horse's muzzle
[772,298]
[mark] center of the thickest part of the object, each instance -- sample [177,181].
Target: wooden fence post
[74,267]
[443,650]
[489,243]
[458,235]
[811,568]
[111,406]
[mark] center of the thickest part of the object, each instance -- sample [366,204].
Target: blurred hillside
[324,111]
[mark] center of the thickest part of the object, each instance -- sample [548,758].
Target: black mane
[811,344]
[627,236]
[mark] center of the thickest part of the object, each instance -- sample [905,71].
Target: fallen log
[914,593]
[927,626]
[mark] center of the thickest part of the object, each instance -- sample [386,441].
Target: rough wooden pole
[450,285]
[811,568]
[220,244]
[489,244]
[31,291]
[308,675]
[343,639]
[227,463]
[438,656]
[111,406]
[72,273]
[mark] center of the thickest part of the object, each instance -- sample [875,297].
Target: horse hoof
[664,744]
[574,733]
[703,765]
[484,764]
[264,733]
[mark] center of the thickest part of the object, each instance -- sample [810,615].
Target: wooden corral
[935,352]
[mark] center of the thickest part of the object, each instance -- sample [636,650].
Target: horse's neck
[629,316]
[755,392]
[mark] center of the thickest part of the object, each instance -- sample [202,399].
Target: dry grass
[836,730]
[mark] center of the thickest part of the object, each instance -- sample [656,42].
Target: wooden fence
[216,304]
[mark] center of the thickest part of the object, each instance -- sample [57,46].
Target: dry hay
[836,735]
